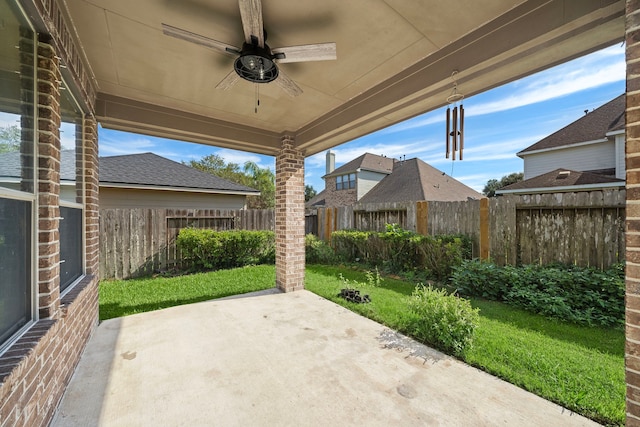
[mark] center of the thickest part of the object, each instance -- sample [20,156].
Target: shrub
[317,251]
[397,250]
[442,320]
[581,295]
[209,249]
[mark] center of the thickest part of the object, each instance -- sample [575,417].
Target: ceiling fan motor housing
[255,64]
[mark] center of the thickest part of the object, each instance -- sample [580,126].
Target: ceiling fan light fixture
[255,64]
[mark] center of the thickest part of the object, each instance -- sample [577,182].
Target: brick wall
[48,126]
[632,154]
[289,217]
[36,369]
[336,198]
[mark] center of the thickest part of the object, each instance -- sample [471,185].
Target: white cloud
[238,157]
[604,67]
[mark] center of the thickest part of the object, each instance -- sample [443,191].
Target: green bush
[442,320]
[581,295]
[209,249]
[317,251]
[397,250]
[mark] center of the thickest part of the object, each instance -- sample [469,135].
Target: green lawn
[124,297]
[581,368]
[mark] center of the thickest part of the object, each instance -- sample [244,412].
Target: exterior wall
[632,150]
[290,219]
[365,181]
[335,198]
[621,170]
[583,158]
[114,198]
[35,370]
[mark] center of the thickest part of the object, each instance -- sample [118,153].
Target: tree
[309,193]
[9,138]
[262,179]
[252,175]
[494,184]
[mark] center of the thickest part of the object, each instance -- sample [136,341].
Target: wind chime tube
[454,144]
[448,132]
[461,145]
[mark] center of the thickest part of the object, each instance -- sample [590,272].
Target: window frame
[31,196]
[79,147]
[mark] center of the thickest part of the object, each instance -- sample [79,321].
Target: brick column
[48,181]
[289,217]
[90,180]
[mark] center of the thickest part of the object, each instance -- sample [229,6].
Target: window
[346,182]
[71,191]
[17,166]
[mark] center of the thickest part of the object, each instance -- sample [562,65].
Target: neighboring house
[350,182]
[142,181]
[414,180]
[151,181]
[377,179]
[587,154]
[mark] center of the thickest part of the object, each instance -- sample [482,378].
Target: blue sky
[498,124]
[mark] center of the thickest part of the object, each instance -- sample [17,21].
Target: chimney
[331,162]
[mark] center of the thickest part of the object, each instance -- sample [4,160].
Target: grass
[124,297]
[578,367]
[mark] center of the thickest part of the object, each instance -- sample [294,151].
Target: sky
[498,124]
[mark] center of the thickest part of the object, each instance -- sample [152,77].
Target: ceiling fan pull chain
[257,97]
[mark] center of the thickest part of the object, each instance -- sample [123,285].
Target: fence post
[484,228]
[328,224]
[422,213]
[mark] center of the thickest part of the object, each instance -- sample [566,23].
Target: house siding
[366,180]
[583,158]
[114,198]
[621,170]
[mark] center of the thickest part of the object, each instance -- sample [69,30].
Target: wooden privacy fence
[136,242]
[585,228]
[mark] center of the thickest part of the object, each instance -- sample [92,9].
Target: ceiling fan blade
[228,82]
[198,39]
[288,85]
[251,14]
[307,52]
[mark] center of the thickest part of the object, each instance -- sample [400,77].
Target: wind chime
[455,122]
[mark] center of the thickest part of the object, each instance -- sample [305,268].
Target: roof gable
[148,169]
[367,161]
[561,178]
[592,126]
[414,180]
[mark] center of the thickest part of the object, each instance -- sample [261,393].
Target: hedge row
[581,295]
[398,250]
[209,249]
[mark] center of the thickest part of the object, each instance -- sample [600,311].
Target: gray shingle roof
[561,178]
[591,127]
[367,161]
[153,170]
[415,180]
[10,164]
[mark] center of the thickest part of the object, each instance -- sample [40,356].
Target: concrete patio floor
[282,360]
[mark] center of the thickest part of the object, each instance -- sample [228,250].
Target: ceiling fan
[256,61]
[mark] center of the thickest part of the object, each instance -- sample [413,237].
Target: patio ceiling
[395,59]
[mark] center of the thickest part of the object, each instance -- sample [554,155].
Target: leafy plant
[582,295]
[209,249]
[443,320]
[398,250]
[317,251]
